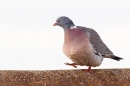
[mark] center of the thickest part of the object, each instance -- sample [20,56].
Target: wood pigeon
[83,45]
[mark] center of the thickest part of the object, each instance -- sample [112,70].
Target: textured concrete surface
[98,77]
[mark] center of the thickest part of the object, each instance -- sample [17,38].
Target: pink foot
[71,64]
[88,70]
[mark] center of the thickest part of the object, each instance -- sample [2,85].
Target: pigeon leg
[88,70]
[71,64]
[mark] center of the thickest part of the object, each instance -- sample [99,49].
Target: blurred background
[28,41]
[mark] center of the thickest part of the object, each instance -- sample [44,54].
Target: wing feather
[98,45]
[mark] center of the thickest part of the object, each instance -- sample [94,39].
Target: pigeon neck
[67,27]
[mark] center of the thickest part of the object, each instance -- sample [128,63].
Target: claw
[88,70]
[71,64]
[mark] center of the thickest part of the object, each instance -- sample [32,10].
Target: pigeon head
[64,22]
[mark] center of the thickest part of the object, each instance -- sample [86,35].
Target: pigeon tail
[111,56]
[117,58]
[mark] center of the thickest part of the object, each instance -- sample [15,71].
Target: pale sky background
[28,41]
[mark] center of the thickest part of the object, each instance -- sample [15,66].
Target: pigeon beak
[54,24]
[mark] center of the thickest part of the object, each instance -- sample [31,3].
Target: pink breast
[75,35]
[75,42]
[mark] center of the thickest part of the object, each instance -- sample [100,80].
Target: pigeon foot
[71,64]
[88,70]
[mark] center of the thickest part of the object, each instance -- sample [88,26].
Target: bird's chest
[75,42]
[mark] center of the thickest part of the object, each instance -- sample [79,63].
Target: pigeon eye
[61,20]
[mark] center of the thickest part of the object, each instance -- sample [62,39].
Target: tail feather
[117,58]
[111,56]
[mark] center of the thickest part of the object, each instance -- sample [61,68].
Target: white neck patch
[73,27]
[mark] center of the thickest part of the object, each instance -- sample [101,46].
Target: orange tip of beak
[54,24]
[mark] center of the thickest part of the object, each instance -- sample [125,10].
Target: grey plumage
[83,45]
[99,45]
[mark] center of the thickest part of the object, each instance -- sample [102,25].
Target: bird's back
[96,41]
